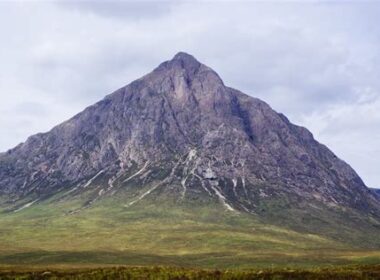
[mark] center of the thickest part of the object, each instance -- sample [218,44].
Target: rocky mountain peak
[181,62]
[179,131]
[184,72]
[185,58]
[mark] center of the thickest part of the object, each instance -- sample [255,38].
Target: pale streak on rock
[72,190]
[192,154]
[234,182]
[26,206]
[246,209]
[243,184]
[110,184]
[202,183]
[156,186]
[138,172]
[144,194]
[183,183]
[89,182]
[222,198]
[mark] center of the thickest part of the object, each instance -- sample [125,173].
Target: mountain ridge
[178,133]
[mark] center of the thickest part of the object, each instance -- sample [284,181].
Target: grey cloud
[316,62]
[121,9]
[31,109]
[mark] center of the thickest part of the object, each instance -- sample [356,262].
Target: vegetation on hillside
[174,273]
[154,233]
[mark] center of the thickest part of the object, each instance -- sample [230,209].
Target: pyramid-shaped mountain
[179,134]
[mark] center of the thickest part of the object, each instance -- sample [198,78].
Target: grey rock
[181,126]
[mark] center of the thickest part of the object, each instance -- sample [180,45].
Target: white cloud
[352,132]
[316,62]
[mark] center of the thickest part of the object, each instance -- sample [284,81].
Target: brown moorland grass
[178,273]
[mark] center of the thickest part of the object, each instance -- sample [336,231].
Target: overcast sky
[316,62]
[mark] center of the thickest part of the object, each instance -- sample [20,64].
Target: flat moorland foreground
[123,272]
[153,241]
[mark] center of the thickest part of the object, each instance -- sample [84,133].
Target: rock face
[179,131]
[376,191]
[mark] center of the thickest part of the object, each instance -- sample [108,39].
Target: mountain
[177,137]
[377,191]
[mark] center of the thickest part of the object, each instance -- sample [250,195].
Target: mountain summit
[179,134]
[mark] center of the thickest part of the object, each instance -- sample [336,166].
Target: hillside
[177,168]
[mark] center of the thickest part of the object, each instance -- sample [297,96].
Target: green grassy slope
[154,233]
